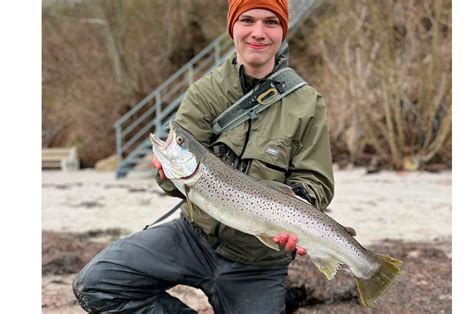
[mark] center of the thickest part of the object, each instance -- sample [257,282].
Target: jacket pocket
[270,158]
[263,171]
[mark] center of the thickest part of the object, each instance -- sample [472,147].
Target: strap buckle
[267,96]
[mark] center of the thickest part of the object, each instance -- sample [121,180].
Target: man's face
[257,37]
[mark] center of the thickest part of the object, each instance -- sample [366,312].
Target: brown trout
[265,209]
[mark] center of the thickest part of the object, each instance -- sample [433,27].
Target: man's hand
[156,163]
[289,243]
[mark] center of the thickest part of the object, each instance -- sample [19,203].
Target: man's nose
[258,30]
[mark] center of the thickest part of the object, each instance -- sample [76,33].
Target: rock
[106,164]
[411,163]
[414,254]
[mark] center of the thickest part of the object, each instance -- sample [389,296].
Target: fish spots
[237,193]
[234,198]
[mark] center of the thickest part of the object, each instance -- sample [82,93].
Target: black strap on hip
[169,213]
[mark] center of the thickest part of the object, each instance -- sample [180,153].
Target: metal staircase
[152,114]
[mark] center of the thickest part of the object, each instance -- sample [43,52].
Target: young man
[288,143]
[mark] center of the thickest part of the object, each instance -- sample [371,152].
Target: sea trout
[265,209]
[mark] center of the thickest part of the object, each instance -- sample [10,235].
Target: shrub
[385,69]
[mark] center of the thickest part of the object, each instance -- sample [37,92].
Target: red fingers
[283,239]
[156,163]
[289,243]
[300,251]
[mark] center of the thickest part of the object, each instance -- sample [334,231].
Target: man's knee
[82,299]
[94,298]
[85,287]
[78,288]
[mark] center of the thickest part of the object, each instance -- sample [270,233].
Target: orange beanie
[237,7]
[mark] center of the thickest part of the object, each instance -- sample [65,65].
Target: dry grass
[385,67]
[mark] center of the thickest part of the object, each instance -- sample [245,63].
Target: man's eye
[246,21]
[272,22]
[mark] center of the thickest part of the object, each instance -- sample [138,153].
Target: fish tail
[384,278]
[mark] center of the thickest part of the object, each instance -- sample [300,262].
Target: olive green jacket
[288,143]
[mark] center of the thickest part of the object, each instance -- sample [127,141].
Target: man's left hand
[289,243]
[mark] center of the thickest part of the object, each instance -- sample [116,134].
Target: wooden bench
[64,158]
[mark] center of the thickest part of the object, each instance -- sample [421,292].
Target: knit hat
[237,7]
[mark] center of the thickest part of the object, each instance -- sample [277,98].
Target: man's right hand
[289,243]
[156,163]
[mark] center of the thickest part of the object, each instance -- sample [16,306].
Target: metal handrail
[140,119]
[172,78]
[188,67]
[138,135]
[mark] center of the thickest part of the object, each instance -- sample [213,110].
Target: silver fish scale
[240,193]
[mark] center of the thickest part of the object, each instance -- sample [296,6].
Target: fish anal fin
[268,241]
[328,266]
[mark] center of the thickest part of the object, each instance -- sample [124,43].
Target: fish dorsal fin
[283,188]
[268,241]
[328,266]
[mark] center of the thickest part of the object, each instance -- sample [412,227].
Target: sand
[413,206]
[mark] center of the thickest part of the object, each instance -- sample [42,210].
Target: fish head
[180,154]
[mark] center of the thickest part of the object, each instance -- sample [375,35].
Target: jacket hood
[282,57]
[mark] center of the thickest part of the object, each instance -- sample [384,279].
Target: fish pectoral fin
[268,241]
[328,266]
[351,231]
[187,189]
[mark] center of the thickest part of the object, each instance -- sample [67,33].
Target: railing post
[158,118]
[118,147]
[190,74]
[118,141]
[217,53]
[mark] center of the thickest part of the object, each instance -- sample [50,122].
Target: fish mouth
[159,143]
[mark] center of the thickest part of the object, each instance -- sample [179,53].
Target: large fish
[265,209]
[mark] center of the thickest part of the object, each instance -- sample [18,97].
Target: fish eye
[179,140]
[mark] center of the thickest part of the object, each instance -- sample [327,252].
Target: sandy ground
[395,205]
[407,206]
